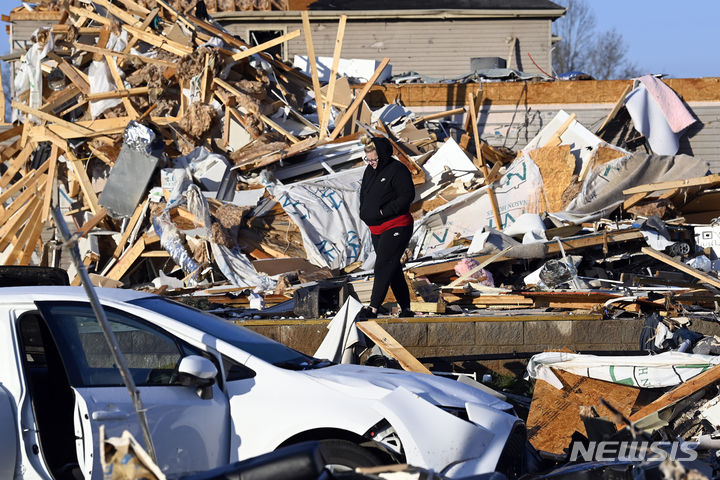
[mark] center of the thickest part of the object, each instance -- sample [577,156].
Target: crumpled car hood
[374,383]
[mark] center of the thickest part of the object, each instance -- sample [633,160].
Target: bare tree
[602,54]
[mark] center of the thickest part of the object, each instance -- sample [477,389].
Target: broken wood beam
[703,277]
[688,182]
[391,346]
[359,97]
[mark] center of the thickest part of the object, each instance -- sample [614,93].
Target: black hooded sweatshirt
[387,191]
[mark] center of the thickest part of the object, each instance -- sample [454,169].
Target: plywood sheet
[557,166]
[555,414]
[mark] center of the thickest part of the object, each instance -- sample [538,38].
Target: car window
[253,343]
[151,355]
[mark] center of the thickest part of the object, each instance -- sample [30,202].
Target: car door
[189,433]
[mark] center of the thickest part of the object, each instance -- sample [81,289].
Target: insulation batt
[198,120]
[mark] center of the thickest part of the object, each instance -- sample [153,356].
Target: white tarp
[358,69]
[326,210]
[649,119]
[342,334]
[653,371]
[517,192]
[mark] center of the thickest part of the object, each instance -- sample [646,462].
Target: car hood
[374,383]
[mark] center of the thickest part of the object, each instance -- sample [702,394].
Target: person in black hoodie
[386,193]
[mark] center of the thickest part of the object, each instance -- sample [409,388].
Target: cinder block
[305,338]
[499,333]
[451,333]
[553,332]
[408,334]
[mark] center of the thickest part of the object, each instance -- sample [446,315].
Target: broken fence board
[391,346]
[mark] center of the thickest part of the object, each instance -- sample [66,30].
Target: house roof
[432,5]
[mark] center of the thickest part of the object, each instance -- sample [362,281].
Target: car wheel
[344,456]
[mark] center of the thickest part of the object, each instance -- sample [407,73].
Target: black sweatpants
[389,248]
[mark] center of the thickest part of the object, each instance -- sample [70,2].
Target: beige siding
[440,49]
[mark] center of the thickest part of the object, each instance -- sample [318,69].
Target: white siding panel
[440,49]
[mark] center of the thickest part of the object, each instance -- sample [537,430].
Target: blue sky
[666,36]
[663,36]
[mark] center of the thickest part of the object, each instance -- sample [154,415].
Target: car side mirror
[199,372]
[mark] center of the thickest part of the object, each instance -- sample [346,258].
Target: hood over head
[384,150]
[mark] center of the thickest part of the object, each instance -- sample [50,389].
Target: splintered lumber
[25,207]
[130,256]
[555,414]
[30,230]
[616,108]
[486,173]
[569,244]
[359,97]
[266,45]
[159,41]
[16,164]
[555,139]
[709,180]
[703,277]
[92,223]
[391,346]
[698,382]
[635,199]
[428,307]
[52,119]
[434,116]
[47,196]
[327,105]
[130,227]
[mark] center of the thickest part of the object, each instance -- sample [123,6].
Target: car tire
[344,456]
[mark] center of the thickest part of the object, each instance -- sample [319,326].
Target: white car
[60,385]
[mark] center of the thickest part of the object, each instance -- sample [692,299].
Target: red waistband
[402,221]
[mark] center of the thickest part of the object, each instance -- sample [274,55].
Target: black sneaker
[366,313]
[406,313]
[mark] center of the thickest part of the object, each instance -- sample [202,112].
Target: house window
[258,37]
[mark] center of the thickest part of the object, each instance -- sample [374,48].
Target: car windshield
[251,342]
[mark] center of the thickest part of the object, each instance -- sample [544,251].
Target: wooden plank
[616,108]
[11,225]
[556,414]
[333,77]
[92,223]
[52,172]
[30,227]
[555,139]
[634,200]
[428,307]
[688,182]
[359,98]
[486,173]
[435,116]
[569,244]
[11,132]
[15,165]
[129,228]
[52,119]
[85,184]
[127,260]
[29,178]
[132,113]
[77,78]
[159,41]
[391,346]
[58,99]
[698,382]
[268,121]
[313,64]
[703,277]
[266,45]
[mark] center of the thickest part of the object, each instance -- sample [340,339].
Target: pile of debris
[190,161]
